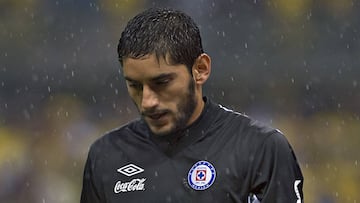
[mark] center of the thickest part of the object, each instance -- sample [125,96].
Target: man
[184,148]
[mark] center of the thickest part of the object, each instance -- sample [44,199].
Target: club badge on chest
[201,175]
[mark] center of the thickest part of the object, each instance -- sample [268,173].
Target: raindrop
[354,83]
[26,114]
[309,16]
[246,45]
[69,136]
[49,89]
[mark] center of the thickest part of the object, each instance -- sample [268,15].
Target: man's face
[164,94]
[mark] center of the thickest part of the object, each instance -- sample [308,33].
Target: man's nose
[149,98]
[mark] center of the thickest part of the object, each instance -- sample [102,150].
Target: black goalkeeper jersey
[222,157]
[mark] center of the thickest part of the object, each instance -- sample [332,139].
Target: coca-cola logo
[133,185]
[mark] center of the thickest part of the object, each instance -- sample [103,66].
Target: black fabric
[250,160]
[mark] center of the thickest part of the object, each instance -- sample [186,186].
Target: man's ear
[201,69]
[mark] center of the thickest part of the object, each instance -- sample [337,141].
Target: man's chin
[165,129]
[161,132]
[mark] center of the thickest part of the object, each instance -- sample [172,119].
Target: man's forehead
[148,68]
[159,58]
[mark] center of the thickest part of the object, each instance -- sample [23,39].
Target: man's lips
[155,115]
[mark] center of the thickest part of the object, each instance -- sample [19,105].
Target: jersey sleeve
[90,192]
[276,174]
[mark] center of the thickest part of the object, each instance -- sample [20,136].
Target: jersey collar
[174,143]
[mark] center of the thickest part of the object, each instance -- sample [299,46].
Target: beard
[185,109]
[181,116]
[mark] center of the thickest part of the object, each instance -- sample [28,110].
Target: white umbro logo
[130,170]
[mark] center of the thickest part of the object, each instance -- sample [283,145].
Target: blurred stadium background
[292,64]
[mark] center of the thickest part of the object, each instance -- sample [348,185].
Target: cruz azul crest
[201,175]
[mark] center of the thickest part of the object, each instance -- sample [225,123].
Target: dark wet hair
[163,32]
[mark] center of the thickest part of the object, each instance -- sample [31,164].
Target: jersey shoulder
[244,123]
[246,131]
[112,139]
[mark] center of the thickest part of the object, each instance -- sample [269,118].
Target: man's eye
[162,82]
[135,85]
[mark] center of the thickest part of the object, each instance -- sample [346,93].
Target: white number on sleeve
[296,189]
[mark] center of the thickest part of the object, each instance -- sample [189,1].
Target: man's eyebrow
[156,78]
[163,76]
